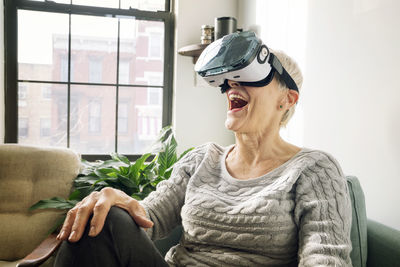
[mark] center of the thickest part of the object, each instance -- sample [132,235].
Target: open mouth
[236,101]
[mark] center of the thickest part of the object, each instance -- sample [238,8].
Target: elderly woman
[259,202]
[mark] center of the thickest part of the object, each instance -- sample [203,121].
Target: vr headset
[243,58]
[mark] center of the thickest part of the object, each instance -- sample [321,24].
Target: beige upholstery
[28,174]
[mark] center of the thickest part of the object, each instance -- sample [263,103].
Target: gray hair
[293,69]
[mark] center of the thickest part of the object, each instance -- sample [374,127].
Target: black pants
[120,243]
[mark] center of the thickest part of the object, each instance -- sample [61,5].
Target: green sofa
[374,244]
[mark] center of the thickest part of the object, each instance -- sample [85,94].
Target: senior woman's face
[253,109]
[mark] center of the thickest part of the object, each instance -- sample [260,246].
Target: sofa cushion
[27,175]
[359,223]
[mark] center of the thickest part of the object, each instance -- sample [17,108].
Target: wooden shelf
[192,51]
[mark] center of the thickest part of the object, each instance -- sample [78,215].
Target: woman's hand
[99,203]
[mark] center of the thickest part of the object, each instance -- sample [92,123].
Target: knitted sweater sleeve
[323,215]
[163,206]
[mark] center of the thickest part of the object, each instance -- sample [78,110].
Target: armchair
[28,174]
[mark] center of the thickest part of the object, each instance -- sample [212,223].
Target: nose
[233,83]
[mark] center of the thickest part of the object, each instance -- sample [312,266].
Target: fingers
[142,221]
[81,219]
[100,212]
[77,217]
[66,228]
[99,204]
[138,213]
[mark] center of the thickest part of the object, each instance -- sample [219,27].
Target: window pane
[139,118]
[154,96]
[42,118]
[42,39]
[150,5]
[46,91]
[141,52]
[99,3]
[124,71]
[155,42]
[23,127]
[95,69]
[45,127]
[63,61]
[93,119]
[94,49]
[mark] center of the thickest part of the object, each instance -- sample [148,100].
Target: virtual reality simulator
[243,58]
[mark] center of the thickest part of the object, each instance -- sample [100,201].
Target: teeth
[235,96]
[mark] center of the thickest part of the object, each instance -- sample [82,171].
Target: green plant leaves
[134,169]
[167,155]
[54,203]
[137,179]
[118,157]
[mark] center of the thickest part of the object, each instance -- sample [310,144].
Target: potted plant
[137,179]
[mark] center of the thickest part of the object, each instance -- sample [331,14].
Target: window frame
[11,8]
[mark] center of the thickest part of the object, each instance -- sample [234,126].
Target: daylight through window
[89,80]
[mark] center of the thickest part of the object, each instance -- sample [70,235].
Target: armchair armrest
[42,252]
[383,245]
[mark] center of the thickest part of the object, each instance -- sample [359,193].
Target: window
[94,117]
[148,128]
[154,96]
[22,92]
[124,71]
[64,63]
[148,121]
[23,127]
[64,68]
[123,118]
[95,70]
[45,127]
[155,44]
[151,5]
[46,91]
[81,80]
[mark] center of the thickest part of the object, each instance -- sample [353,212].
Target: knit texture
[299,214]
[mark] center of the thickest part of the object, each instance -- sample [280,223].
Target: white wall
[199,110]
[281,25]
[1,73]
[351,89]
[353,92]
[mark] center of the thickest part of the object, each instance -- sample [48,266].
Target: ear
[291,98]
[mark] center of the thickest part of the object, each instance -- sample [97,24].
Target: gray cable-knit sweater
[299,214]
